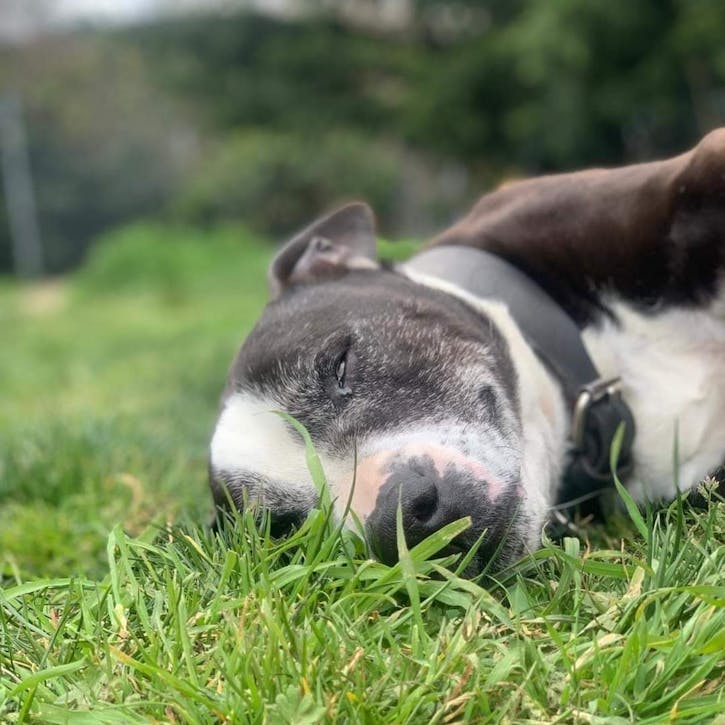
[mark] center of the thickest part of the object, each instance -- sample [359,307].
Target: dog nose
[427,504]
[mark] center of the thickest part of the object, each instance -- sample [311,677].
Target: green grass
[119,606]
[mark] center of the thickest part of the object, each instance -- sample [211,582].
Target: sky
[20,19]
[104,8]
[23,19]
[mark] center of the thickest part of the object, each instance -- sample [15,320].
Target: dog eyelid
[340,370]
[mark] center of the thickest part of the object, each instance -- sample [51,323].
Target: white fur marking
[251,437]
[672,367]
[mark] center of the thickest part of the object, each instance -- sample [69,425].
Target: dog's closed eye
[338,371]
[341,370]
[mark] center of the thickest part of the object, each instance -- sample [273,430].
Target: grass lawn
[118,606]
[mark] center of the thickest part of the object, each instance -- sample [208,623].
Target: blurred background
[154,151]
[266,112]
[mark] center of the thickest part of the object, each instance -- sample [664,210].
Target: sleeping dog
[487,376]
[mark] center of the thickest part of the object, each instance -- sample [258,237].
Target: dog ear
[329,247]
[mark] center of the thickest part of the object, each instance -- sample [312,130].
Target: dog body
[422,394]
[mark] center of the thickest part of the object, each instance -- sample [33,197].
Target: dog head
[408,392]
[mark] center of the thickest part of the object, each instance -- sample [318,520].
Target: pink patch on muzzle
[373,471]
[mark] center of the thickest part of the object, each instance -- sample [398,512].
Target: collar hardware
[599,410]
[589,395]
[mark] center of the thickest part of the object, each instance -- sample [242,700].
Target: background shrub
[277,181]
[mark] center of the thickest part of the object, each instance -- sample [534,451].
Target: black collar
[596,405]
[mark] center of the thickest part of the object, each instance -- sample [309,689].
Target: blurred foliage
[175,261]
[271,121]
[534,85]
[275,180]
[105,146]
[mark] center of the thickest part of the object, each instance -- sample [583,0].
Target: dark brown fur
[652,233]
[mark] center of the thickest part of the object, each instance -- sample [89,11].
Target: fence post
[19,193]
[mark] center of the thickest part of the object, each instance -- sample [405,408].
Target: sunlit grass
[119,605]
[190,626]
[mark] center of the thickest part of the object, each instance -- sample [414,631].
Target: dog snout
[428,501]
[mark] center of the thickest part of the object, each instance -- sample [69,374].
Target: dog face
[409,395]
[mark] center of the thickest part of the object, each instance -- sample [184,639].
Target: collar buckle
[599,410]
[588,396]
